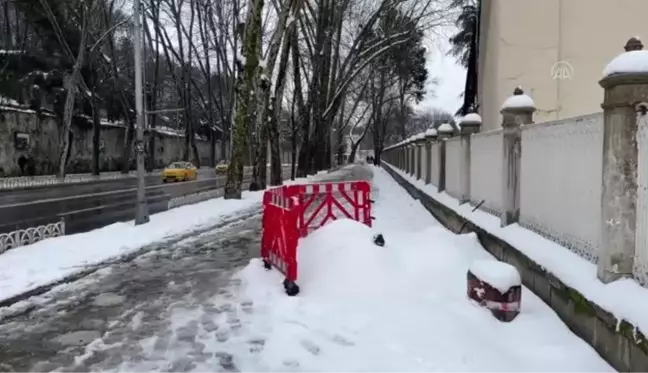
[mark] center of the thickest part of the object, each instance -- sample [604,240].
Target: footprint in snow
[342,341]
[310,346]
[222,335]
[246,306]
[256,345]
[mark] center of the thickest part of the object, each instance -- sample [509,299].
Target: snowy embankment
[401,307]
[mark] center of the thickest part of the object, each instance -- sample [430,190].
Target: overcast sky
[449,73]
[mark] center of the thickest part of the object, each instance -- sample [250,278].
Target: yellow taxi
[180,171]
[221,168]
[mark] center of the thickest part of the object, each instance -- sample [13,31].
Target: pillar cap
[519,101]
[471,119]
[469,124]
[431,132]
[633,61]
[445,128]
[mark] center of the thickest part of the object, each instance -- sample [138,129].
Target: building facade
[555,50]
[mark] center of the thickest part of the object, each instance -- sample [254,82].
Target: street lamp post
[141,211]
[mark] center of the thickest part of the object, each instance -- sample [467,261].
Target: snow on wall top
[518,100]
[431,132]
[634,60]
[501,276]
[471,118]
[446,127]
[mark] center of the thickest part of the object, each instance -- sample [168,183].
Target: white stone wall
[561,171]
[521,40]
[486,157]
[453,166]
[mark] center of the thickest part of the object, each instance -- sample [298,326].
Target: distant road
[32,193]
[25,182]
[90,205]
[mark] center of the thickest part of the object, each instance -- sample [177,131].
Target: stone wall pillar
[430,137]
[399,149]
[624,104]
[412,151]
[405,156]
[444,132]
[408,148]
[516,111]
[469,124]
[420,142]
[396,152]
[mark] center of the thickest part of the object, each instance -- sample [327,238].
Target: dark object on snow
[473,210]
[291,287]
[505,307]
[379,240]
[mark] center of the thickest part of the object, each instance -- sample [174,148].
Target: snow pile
[499,275]
[446,128]
[430,132]
[330,257]
[401,307]
[471,118]
[519,102]
[628,62]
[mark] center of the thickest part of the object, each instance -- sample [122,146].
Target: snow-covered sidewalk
[45,262]
[29,267]
[401,307]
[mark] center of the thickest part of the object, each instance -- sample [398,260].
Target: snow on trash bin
[496,286]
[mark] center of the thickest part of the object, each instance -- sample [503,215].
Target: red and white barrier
[293,211]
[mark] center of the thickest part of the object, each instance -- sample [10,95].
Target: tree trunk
[71,87]
[244,94]
[96,132]
[274,108]
[275,151]
[293,155]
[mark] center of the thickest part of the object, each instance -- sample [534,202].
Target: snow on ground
[28,267]
[401,307]
[625,298]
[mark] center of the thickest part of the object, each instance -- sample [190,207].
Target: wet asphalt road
[173,308]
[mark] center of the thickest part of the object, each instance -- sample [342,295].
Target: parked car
[180,171]
[221,167]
